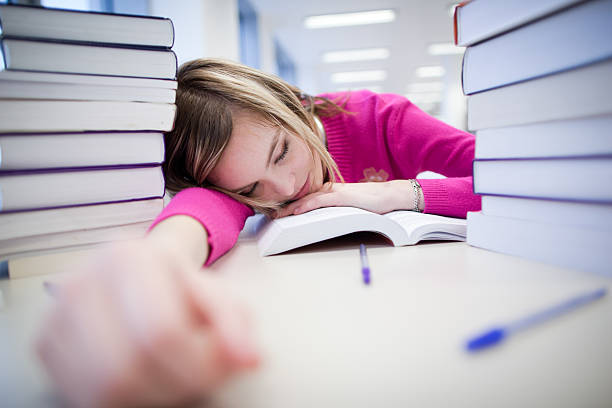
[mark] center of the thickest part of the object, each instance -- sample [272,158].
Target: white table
[328,340]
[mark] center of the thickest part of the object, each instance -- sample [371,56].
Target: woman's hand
[378,197]
[143,327]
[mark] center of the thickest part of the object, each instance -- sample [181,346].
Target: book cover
[568,39]
[580,179]
[26,116]
[584,249]
[588,136]
[68,150]
[40,222]
[570,94]
[400,227]
[49,56]
[64,188]
[475,21]
[86,26]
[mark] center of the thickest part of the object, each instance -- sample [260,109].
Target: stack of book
[538,78]
[84,100]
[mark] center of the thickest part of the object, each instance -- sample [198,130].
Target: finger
[227,318]
[290,208]
[332,199]
[155,320]
[303,202]
[201,363]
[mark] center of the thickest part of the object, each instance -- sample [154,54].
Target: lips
[304,190]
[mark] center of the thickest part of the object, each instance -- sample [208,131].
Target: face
[266,163]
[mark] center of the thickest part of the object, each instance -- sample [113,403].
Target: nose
[283,185]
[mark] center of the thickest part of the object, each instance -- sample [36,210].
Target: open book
[400,227]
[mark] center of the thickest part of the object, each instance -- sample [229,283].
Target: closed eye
[251,190]
[283,152]
[280,157]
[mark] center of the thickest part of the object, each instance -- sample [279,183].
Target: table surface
[329,340]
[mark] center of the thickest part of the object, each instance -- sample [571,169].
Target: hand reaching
[140,327]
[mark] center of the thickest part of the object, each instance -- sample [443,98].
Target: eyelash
[278,159]
[283,153]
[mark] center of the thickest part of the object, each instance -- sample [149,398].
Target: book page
[420,226]
[294,231]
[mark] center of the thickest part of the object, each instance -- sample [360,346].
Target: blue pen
[365,266]
[498,334]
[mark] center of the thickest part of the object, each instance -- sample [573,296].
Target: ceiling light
[349,19]
[359,76]
[430,71]
[444,49]
[356,55]
[426,87]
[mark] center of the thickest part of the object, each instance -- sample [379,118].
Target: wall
[203,28]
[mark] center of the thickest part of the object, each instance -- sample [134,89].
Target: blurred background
[398,46]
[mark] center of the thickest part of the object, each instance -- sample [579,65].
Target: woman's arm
[182,236]
[152,327]
[378,197]
[220,216]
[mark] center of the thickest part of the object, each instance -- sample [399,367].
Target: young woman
[242,141]
[246,140]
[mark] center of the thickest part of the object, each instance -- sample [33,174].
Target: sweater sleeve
[221,216]
[432,145]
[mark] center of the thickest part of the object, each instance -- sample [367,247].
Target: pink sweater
[386,138]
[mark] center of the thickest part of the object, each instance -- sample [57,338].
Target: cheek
[304,158]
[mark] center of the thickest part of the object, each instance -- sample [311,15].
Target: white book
[571,94]
[40,190]
[88,59]
[61,150]
[86,26]
[573,37]
[562,138]
[476,21]
[572,247]
[40,222]
[400,227]
[571,213]
[24,245]
[44,85]
[584,179]
[81,116]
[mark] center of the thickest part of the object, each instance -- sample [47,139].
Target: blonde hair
[209,90]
